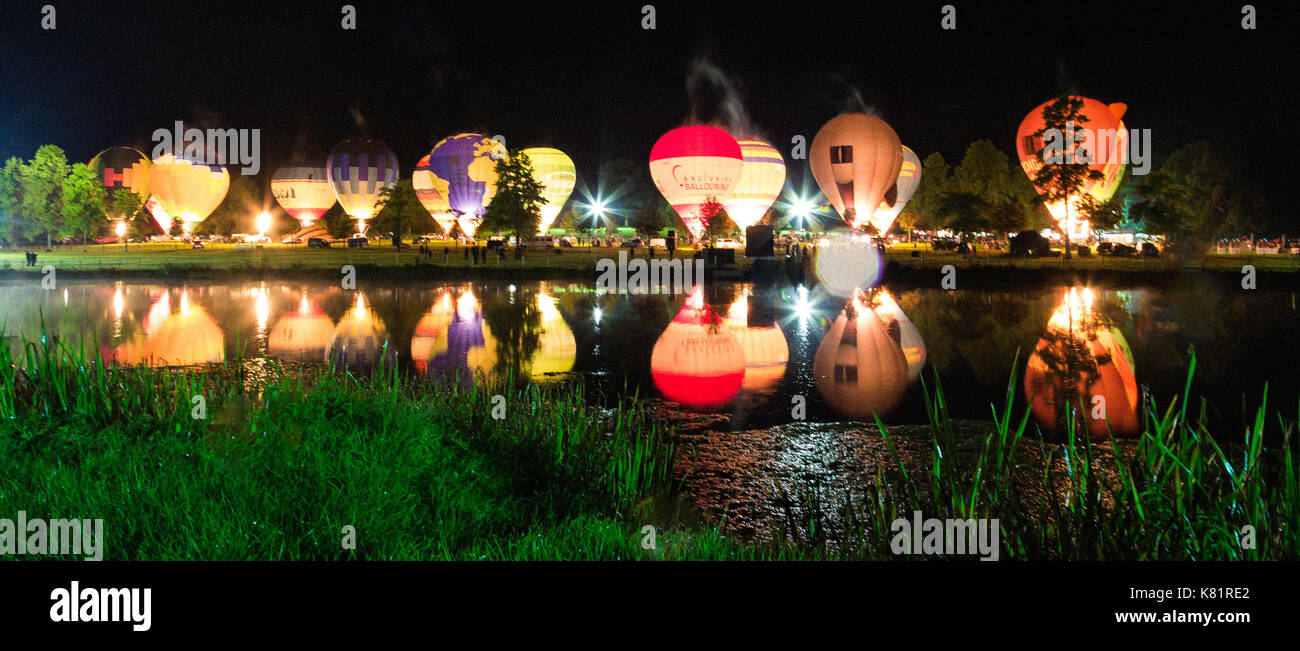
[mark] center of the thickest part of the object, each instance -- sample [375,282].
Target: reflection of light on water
[596,314]
[262,307]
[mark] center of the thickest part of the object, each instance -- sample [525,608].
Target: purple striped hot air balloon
[358,168]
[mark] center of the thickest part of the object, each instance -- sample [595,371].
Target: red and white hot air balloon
[856,159]
[690,165]
[761,180]
[696,361]
[1103,135]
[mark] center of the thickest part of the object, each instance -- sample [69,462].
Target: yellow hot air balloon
[555,171]
[766,352]
[182,338]
[556,347]
[856,159]
[761,180]
[187,190]
[359,339]
[909,177]
[432,193]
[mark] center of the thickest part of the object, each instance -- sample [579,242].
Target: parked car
[1030,243]
[358,240]
[943,244]
[728,243]
[633,243]
[197,244]
[1150,250]
[317,243]
[496,243]
[542,241]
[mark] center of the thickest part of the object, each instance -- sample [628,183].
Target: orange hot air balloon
[761,180]
[909,177]
[1104,136]
[696,361]
[1083,362]
[186,337]
[860,369]
[432,193]
[689,165]
[856,159]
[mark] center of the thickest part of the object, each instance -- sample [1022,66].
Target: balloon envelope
[856,158]
[555,171]
[303,190]
[761,180]
[466,164]
[1106,140]
[119,168]
[187,190]
[691,164]
[432,193]
[909,177]
[696,362]
[358,168]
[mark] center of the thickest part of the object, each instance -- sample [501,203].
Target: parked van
[542,241]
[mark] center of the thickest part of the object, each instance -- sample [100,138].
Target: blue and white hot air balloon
[358,168]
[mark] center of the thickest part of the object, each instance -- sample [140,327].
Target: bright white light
[121,229]
[263,223]
[596,314]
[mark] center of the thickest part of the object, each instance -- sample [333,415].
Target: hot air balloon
[909,338]
[301,335]
[466,163]
[1079,360]
[187,190]
[761,180]
[186,337]
[303,190]
[359,339]
[357,170]
[696,362]
[120,168]
[454,339]
[556,347]
[764,346]
[432,193]
[856,158]
[1106,140]
[555,171]
[690,165]
[909,177]
[430,337]
[860,369]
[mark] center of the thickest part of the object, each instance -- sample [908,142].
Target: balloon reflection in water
[302,335]
[763,345]
[181,338]
[696,361]
[901,328]
[556,347]
[860,369]
[1082,361]
[451,338]
[359,339]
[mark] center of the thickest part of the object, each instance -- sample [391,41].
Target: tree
[399,210]
[568,219]
[338,223]
[1102,215]
[711,218]
[11,196]
[130,207]
[984,171]
[963,212]
[649,220]
[921,210]
[1006,216]
[1065,166]
[1195,197]
[83,201]
[517,205]
[42,189]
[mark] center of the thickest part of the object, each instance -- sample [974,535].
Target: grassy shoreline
[169,261]
[280,463]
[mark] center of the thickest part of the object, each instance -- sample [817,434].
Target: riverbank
[282,465]
[905,265]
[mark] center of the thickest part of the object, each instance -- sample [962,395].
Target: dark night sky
[587,79]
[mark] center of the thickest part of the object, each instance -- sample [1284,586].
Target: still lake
[757,356]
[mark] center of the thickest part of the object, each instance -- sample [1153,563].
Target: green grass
[285,459]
